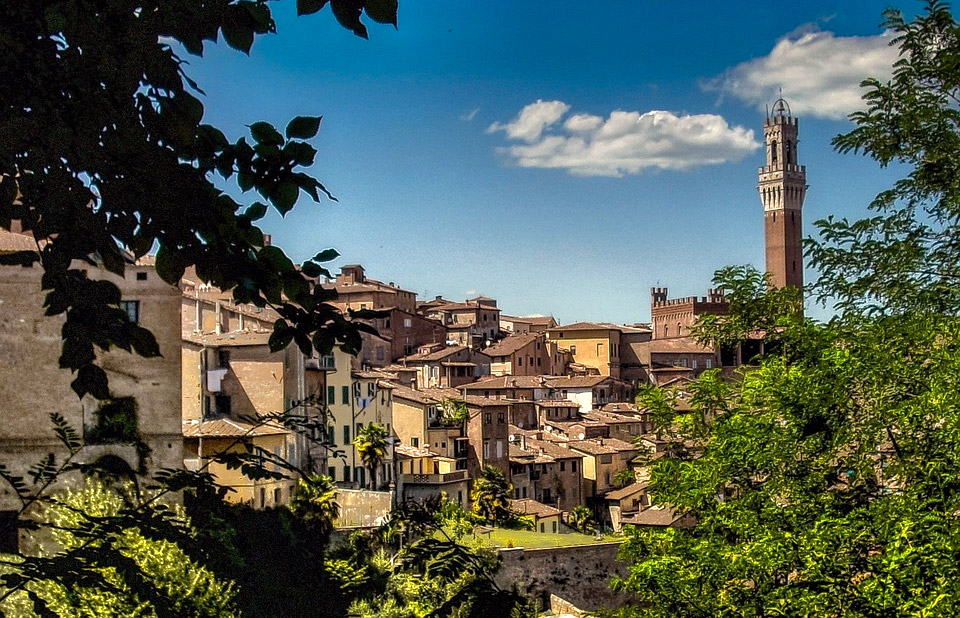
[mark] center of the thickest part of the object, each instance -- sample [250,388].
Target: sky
[560,158]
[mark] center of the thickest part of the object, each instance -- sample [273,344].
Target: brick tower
[782,186]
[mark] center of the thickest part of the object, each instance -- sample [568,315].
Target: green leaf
[144,343]
[382,11]
[91,380]
[308,7]
[264,133]
[326,255]
[285,196]
[236,31]
[281,337]
[347,13]
[170,265]
[303,127]
[256,211]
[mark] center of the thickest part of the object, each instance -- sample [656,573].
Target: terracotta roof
[411,451]
[609,418]
[435,356]
[458,364]
[659,516]
[504,382]
[602,446]
[576,381]
[228,428]
[583,422]
[620,494]
[557,403]
[621,407]
[442,393]
[239,338]
[13,241]
[483,402]
[585,326]
[551,448]
[528,506]
[405,392]
[511,344]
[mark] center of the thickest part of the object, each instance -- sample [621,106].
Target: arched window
[773,150]
[788,155]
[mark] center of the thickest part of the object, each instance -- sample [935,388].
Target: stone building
[357,291]
[228,381]
[32,385]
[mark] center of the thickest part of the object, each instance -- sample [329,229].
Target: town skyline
[482,154]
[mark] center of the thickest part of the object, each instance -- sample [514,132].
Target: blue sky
[509,148]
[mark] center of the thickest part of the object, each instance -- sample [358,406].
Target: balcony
[433,479]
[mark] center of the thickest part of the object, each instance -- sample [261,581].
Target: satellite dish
[511,438]
[581,436]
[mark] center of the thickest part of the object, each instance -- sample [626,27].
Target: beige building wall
[595,348]
[30,345]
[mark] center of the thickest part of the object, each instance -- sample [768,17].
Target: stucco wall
[581,574]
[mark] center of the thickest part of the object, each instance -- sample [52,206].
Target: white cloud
[622,143]
[532,120]
[820,72]
[468,116]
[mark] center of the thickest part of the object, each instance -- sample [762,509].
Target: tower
[782,186]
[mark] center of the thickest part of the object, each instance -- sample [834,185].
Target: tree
[829,478]
[581,519]
[104,158]
[371,443]
[315,505]
[490,494]
[190,588]
[625,477]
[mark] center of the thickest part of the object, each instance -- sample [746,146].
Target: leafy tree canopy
[104,157]
[828,479]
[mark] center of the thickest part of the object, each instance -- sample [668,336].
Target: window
[276,496]
[487,418]
[486,449]
[379,352]
[345,395]
[371,389]
[263,497]
[573,349]
[223,405]
[554,527]
[407,322]
[223,358]
[709,363]
[599,349]
[346,436]
[542,527]
[539,363]
[562,466]
[501,418]
[519,361]
[346,474]
[359,427]
[132,309]
[141,276]
[693,364]
[415,442]
[386,323]
[573,466]
[331,395]
[331,441]
[332,472]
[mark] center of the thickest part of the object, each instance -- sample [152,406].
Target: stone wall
[362,507]
[580,574]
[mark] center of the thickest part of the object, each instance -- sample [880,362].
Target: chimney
[267,239]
